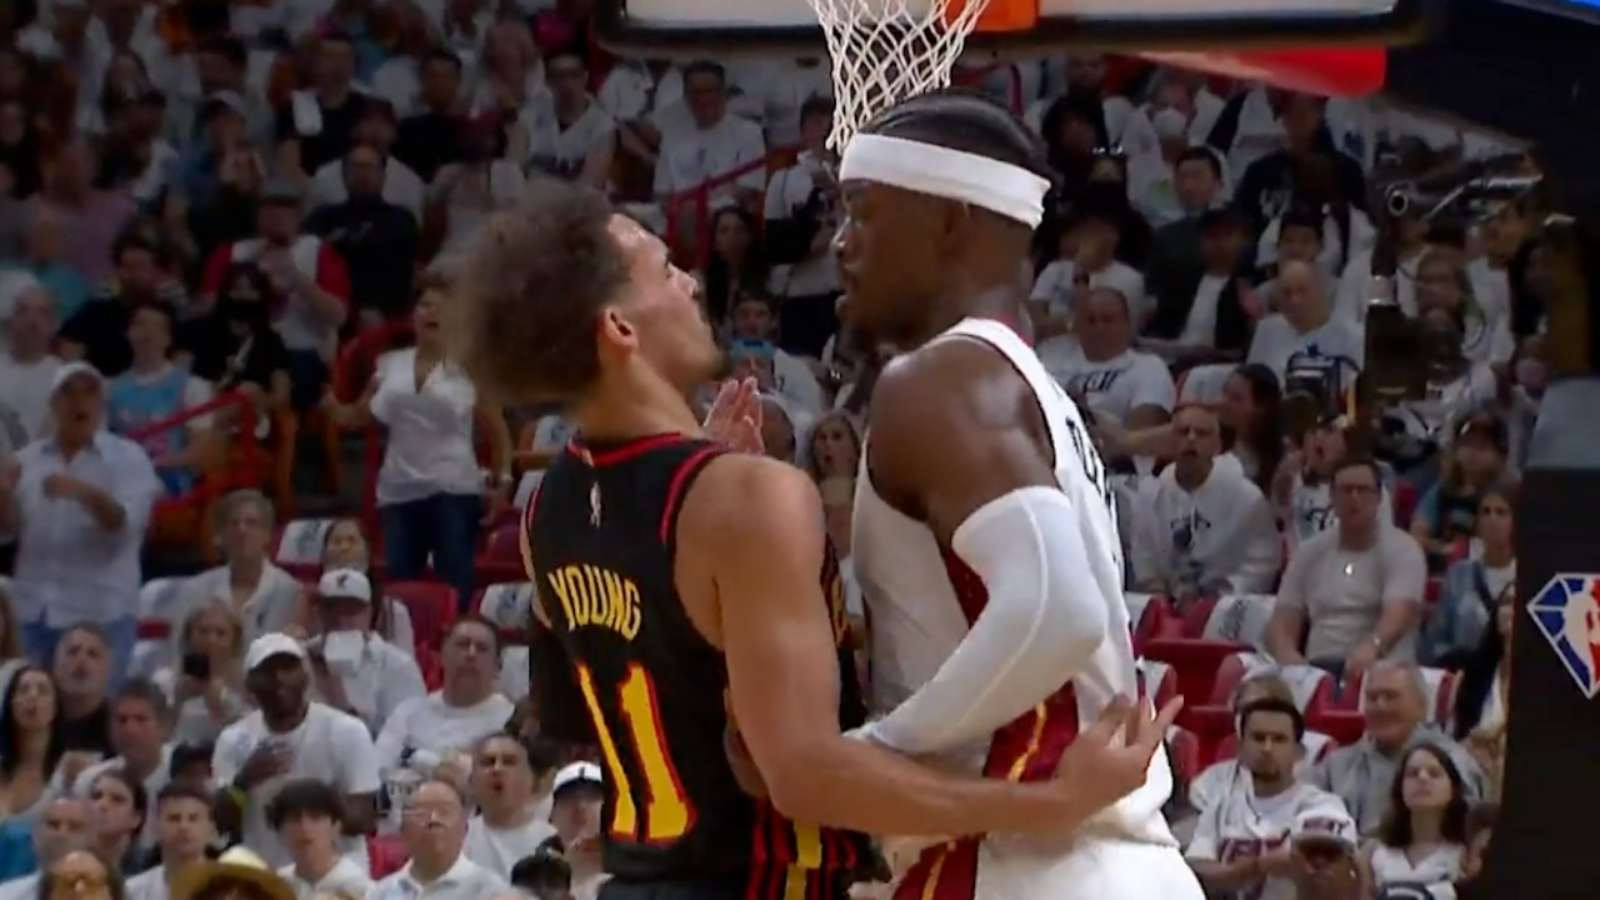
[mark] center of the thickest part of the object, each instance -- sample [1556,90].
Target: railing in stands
[242,469]
[696,201]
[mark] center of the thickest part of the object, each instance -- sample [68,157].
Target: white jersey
[1242,825]
[922,599]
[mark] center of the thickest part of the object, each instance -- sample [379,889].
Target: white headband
[1011,191]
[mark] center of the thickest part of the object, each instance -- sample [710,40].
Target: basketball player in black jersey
[674,573]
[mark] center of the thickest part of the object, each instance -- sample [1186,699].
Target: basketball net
[886,51]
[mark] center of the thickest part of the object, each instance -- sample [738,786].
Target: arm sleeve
[1043,620]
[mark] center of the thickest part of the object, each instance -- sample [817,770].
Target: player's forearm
[854,784]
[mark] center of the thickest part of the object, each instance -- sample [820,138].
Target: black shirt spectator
[235,345]
[323,120]
[428,140]
[377,239]
[98,332]
[1270,183]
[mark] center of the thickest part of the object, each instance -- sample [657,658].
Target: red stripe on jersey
[675,488]
[947,871]
[1027,748]
[758,852]
[622,452]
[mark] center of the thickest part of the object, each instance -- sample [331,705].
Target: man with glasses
[434,828]
[574,136]
[1359,586]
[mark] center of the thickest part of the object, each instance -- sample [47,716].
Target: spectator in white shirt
[1357,587]
[1443,284]
[1424,837]
[290,736]
[1503,235]
[354,670]
[1101,369]
[574,137]
[712,143]
[184,828]
[62,827]
[1304,336]
[27,367]
[379,129]
[512,820]
[1206,528]
[755,318]
[1241,844]
[308,817]
[425,731]
[434,827]
[1230,775]
[264,597]
[579,801]
[1356,282]
[207,686]
[1086,259]
[119,812]
[77,503]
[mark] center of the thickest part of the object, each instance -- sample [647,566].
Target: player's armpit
[954,427]
[756,526]
[563,715]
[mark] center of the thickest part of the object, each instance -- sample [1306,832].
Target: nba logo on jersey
[1567,611]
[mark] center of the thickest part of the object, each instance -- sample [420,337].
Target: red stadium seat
[1405,502]
[1196,660]
[1151,617]
[386,854]
[1335,710]
[1212,722]
[1184,749]
[501,559]
[432,606]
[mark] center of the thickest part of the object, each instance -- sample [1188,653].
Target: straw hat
[236,864]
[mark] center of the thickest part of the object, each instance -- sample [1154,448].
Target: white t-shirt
[630,92]
[149,885]
[564,151]
[1054,287]
[430,449]
[346,875]
[691,156]
[1114,387]
[1224,527]
[1208,788]
[328,745]
[1242,825]
[1335,345]
[1491,290]
[1433,417]
[429,723]
[1200,328]
[1342,592]
[466,880]
[1441,866]
[797,384]
[25,387]
[498,850]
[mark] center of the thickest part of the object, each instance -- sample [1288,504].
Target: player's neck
[1000,300]
[622,408]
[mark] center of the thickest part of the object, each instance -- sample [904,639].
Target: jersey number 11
[668,813]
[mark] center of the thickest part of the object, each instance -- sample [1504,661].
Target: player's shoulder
[951,382]
[740,493]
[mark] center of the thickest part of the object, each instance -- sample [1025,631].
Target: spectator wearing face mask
[236,348]
[353,669]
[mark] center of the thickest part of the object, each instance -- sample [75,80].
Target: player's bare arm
[989,493]
[751,550]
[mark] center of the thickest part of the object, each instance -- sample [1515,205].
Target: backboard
[679,27]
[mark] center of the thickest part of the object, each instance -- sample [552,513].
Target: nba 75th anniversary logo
[1567,611]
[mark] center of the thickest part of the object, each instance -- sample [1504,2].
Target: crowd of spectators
[226,234]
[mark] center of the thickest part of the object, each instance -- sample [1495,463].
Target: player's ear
[615,331]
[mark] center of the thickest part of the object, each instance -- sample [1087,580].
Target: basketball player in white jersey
[985,537]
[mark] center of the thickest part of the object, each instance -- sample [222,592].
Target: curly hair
[532,287]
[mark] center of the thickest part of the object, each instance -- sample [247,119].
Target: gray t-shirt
[1343,592]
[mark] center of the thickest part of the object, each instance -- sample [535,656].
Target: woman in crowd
[432,498]
[31,743]
[1424,836]
[1443,284]
[1447,515]
[1483,700]
[737,261]
[262,596]
[81,875]
[513,73]
[1456,625]
[236,347]
[345,546]
[834,450]
[207,683]
[119,802]
[1073,127]
[153,389]
[1252,412]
